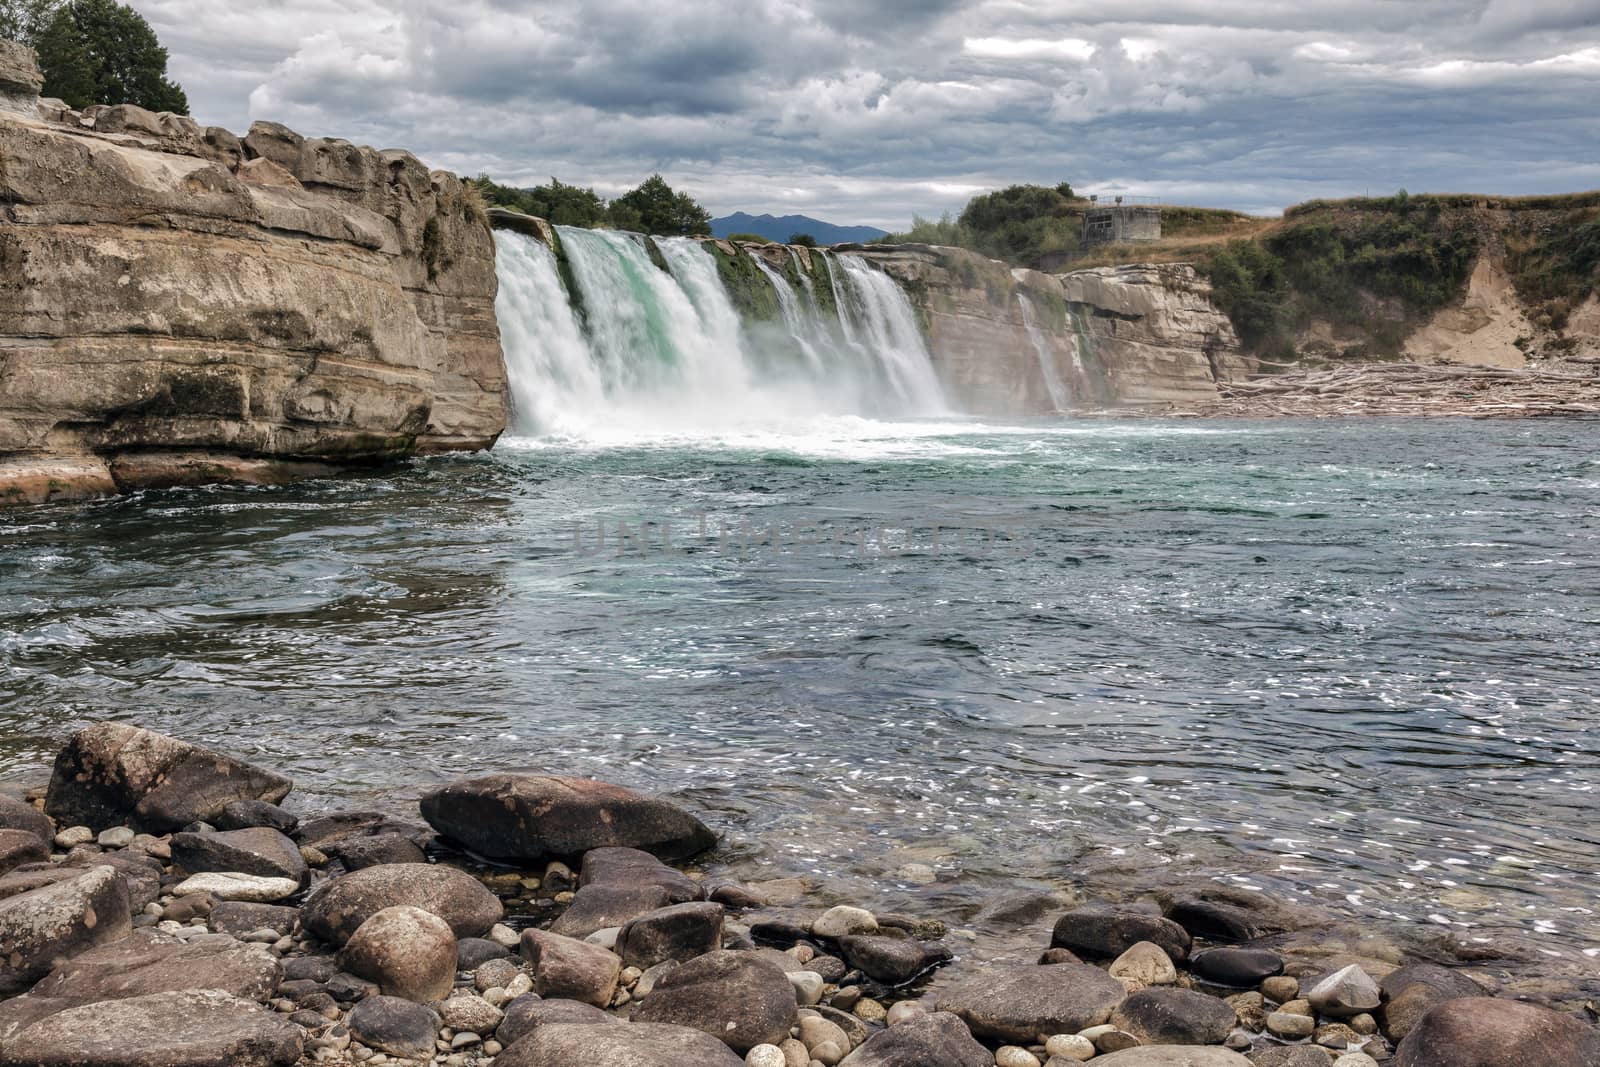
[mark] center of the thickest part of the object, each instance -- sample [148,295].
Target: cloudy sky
[870,110]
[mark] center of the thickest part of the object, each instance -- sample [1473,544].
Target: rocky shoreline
[158,908]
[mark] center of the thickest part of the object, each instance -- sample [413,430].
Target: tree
[21,20]
[564,205]
[804,239]
[103,52]
[661,211]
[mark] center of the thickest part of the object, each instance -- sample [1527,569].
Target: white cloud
[872,112]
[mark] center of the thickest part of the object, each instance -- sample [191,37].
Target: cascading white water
[653,349]
[547,358]
[1060,395]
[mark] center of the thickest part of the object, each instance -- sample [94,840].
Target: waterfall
[1060,396]
[547,358]
[665,349]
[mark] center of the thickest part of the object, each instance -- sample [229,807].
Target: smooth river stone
[1019,1004]
[248,888]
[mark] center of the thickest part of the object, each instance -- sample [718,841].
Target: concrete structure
[1121,224]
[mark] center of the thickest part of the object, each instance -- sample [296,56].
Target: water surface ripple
[1354,660]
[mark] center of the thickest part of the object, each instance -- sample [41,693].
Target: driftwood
[1410,389]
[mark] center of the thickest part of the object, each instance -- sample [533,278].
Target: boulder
[239,917]
[1175,1017]
[408,952]
[680,932]
[375,850]
[395,1026]
[1019,1004]
[1172,1056]
[1145,964]
[21,846]
[336,909]
[1489,1032]
[567,968]
[19,70]
[1106,933]
[735,997]
[635,867]
[250,814]
[250,888]
[637,1044]
[19,815]
[141,874]
[529,817]
[1240,968]
[44,926]
[1292,1056]
[528,1012]
[110,774]
[324,831]
[605,905]
[192,1028]
[939,1038]
[258,850]
[1345,992]
[474,952]
[892,960]
[1411,991]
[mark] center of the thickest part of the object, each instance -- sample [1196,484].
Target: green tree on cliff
[660,210]
[101,52]
[20,20]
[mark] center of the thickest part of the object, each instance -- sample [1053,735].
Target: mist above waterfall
[606,338]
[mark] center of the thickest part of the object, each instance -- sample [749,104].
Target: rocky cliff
[1009,342]
[180,305]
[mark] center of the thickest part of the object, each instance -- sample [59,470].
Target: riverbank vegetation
[654,207]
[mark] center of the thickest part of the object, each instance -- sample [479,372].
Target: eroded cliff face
[178,305]
[1008,342]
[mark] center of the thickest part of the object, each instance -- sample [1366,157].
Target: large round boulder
[1410,992]
[1098,932]
[110,774]
[1022,1004]
[736,997]
[527,817]
[408,952]
[939,1038]
[635,1044]
[1489,1032]
[1175,1017]
[395,1026]
[338,908]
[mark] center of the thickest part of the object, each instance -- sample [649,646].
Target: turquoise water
[1354,661]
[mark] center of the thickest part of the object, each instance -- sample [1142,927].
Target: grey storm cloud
[870,112]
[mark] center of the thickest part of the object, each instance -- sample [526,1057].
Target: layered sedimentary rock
[1008,342]
[178,305]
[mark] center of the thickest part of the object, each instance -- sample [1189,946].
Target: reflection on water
[1353,662]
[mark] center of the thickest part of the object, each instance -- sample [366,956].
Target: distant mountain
[781,229]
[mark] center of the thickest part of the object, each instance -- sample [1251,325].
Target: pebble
[794,1053]
[1355,1059]
[1363,1024]
[1146,963]
[827,1054]
[1280,989]
[115,837]
[1012,1056]
[1285,1024]
[843,920]
[765,1056]
[909,1009]
[1069,1047]
[73,836]
[1350,991]
[504,936]
[465,1038]
[519,985]
[807,986]
[1296,1007]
